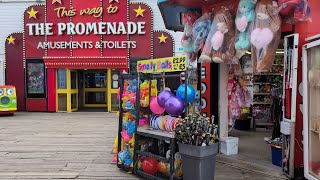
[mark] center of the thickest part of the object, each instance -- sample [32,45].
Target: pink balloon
[155,107]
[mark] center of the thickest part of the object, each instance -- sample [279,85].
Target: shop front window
[95,80]
[115,73]
[36,79]
[73,80]
[62,79]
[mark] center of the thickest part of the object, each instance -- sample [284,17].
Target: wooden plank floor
[71,146]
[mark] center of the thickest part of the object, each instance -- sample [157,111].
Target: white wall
[223,100]
[11,20]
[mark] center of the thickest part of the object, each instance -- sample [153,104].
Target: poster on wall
[35,79]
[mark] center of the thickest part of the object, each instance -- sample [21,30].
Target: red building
[71,52]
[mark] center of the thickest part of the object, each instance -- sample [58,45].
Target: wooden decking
[71,146]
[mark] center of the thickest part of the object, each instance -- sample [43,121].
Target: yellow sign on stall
[169,64]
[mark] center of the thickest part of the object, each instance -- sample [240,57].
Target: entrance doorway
[67,90]
[95,91]
[87,90]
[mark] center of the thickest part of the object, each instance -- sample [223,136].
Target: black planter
[198,162]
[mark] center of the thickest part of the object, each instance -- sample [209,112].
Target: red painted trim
[7,112]
[144,43]
[161,50]
[15,72]
[32,41]
[7,86]
[206,95]
[36,105]
[51,79]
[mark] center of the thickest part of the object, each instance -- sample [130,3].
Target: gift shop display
[151,113]
[188,40]
[128,121]
[265,35]
[311,108]
[245,15]
[220,43]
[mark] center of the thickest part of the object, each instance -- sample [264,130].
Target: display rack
[263,83]
[147,132]
[123,78]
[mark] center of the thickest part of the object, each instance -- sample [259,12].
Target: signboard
[169,64]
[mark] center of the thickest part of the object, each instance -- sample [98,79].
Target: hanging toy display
[154,90]
[166,123]
[174,106]
[191,92]
[144,94]
[201,29]
[125,158]
[155,107]
[265,36]
[245,15]
[220,44]
[187,41]
[164,96]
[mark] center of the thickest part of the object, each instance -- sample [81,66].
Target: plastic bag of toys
[201,28]
[187,40]
[265,35]
[245,15]
[219,46]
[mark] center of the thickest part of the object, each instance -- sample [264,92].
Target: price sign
[170,64]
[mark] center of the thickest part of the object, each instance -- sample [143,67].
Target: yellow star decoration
[162,39]
[110,1]
[11,40]
[58,1]
[139,11]
[32,13]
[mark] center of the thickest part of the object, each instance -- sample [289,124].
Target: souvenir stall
[154,118]
[259,32]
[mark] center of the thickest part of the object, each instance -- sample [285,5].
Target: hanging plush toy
[201,28]
[245,15]
[187,40]
[144,94]
[265,36]
[221,43]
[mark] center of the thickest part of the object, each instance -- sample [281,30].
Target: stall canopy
[171,10]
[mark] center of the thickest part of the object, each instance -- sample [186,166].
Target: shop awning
[171,10]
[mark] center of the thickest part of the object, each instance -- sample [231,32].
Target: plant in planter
[197,139]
